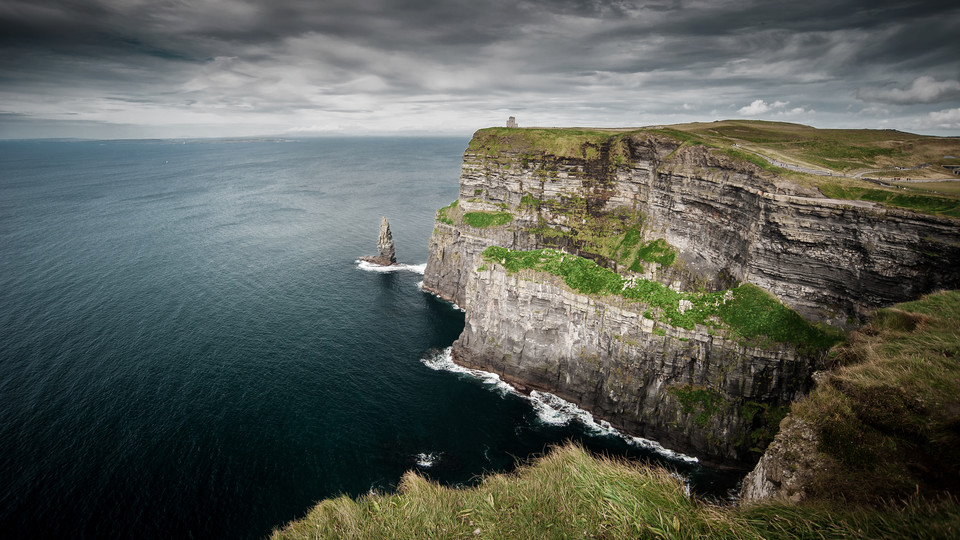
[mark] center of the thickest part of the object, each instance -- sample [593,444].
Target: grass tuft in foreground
[571,494]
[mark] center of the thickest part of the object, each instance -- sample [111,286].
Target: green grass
[657,251]
[836,149]
[443,213]
[529,201]
[703,401]
[755,159]
[928,204]
[888,417]
[530,142]
[944,188]
[572,494]
[613,235]
[482,219]
[749,312]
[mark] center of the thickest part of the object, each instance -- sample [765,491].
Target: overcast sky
[197,68]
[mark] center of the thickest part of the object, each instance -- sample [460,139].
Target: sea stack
[387,256]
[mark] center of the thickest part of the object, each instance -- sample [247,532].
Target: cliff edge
[675,290]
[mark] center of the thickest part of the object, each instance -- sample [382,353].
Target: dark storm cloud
[341,64]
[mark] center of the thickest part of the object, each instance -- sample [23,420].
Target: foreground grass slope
[889,419]
[571,494]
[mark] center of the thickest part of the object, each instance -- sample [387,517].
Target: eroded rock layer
[726,222]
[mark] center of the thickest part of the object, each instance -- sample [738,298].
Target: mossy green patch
[657,251]
[443,213]
[612,235]
[703,401]
[766,421]
[529,201]
[758,315]
[747,310]
[482,219]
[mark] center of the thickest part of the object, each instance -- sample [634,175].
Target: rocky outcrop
[788,467]
[387,255]
[726,221]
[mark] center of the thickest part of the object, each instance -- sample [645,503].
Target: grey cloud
[252,61]
[922,90]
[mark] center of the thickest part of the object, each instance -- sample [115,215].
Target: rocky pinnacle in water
[387,254]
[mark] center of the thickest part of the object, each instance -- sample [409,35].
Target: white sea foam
[443,361]
[426,460]
[371,267]
[551,409]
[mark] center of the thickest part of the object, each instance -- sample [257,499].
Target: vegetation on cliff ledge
[444,215]
[748,311]
[482,219]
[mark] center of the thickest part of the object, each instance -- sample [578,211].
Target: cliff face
[687,389]
[717,222]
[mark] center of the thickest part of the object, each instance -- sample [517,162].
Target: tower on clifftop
[512,122]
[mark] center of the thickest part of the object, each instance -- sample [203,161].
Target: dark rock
[387,256]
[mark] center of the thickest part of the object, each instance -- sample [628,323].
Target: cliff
[677,221]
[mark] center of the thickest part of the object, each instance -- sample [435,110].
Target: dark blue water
[188,348]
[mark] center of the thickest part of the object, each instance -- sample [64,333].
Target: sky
[215,68]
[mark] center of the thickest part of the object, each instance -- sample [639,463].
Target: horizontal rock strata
[831,260]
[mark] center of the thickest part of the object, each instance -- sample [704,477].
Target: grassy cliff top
[838,161]
[890,413]
[838,150]
[881,153]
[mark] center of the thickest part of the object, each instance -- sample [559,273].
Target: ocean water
[188,347]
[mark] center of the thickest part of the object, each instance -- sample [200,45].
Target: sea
[189,347]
